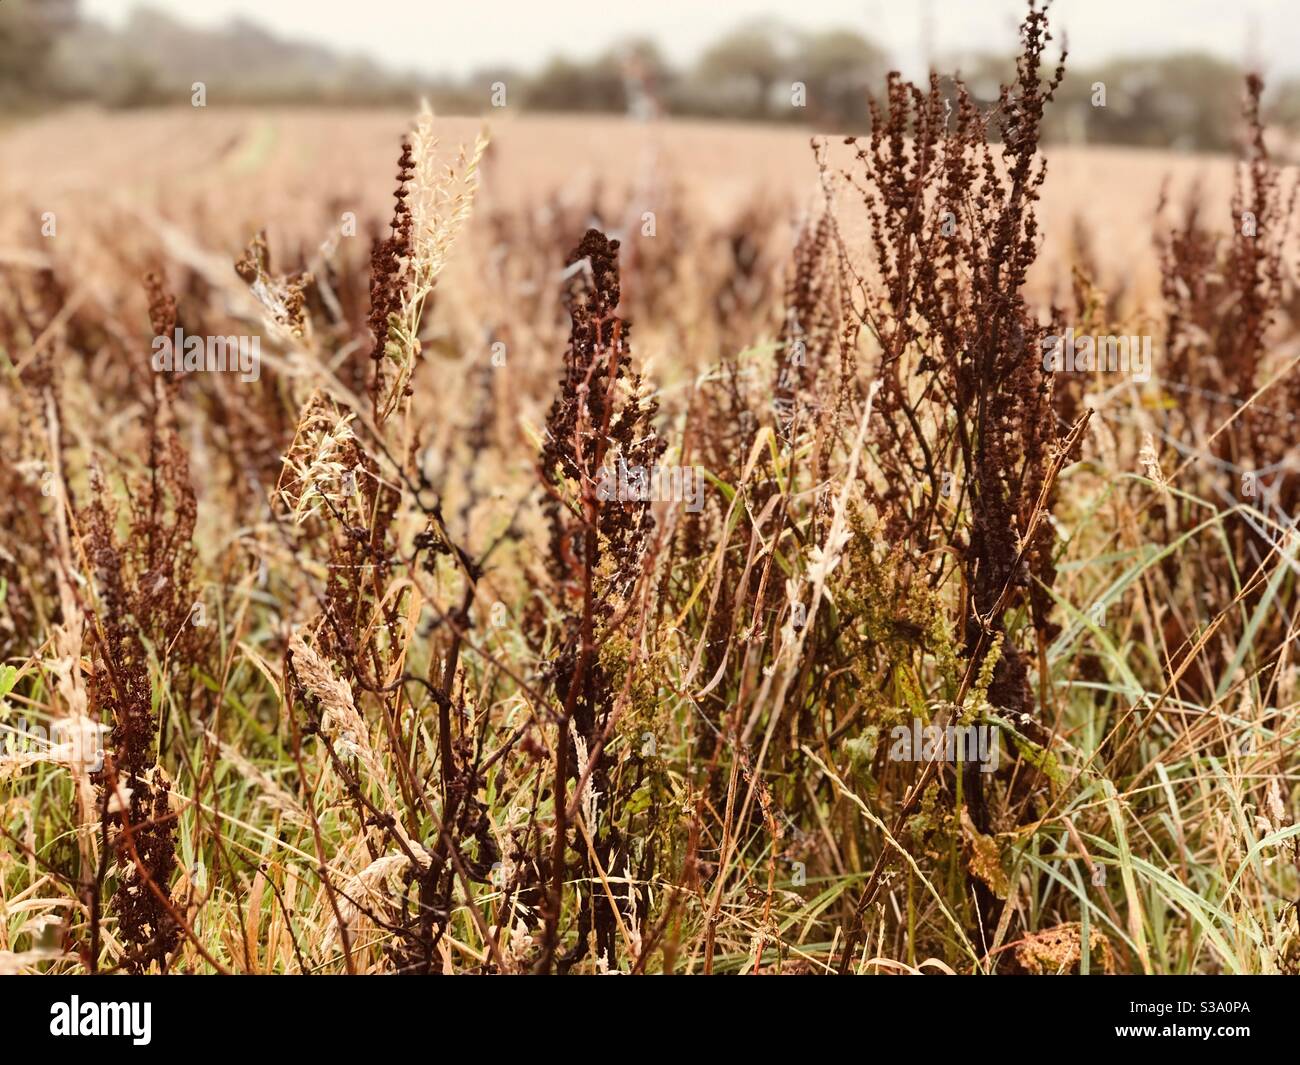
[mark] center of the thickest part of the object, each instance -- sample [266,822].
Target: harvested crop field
[231,163]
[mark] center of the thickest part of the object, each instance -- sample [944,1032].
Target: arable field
[231,160]
[643,547]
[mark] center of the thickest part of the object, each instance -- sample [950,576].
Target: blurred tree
[1285,105]
[841,69]
[647,76]
[566,85]
[27,33]
[135,85]
[1184,101]
[1187,101]
[741,70]
[1282,118]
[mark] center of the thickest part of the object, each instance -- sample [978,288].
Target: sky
[454,37]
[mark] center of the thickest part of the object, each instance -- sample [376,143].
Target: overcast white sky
[456,36]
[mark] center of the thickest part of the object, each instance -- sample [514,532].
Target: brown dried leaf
[985,861]
[1059,950]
